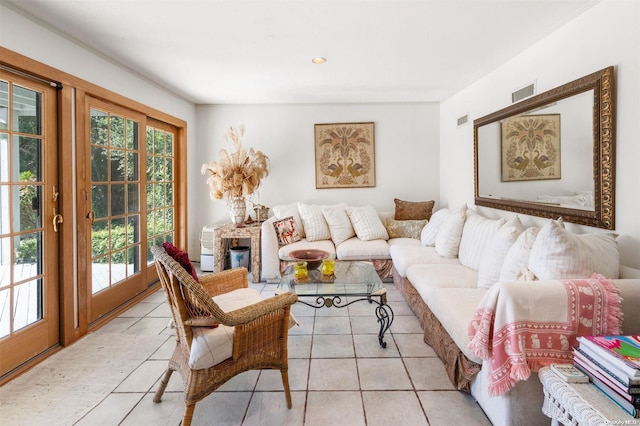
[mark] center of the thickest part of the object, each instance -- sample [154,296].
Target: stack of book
[613,365]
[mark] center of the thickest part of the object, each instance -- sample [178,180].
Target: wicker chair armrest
[202,322]
[224,281]
[250,313]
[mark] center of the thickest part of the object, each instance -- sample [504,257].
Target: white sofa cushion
[315,226]
[284,252]
[495,252]
[286,210]
[211,346]
[476,233]
[366,223]
[405,255]
[450,233]
[427,278]
[340,226]
[454,308]
[558,254]
[518,254]
[403,242]
[356,249]
[430,231]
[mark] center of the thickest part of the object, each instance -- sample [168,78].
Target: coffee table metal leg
[384,313]
[385,318]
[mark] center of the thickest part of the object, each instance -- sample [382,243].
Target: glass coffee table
[351,282]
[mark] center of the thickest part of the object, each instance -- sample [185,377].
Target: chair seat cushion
[211,346]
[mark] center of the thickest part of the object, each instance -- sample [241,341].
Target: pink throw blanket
[541,327]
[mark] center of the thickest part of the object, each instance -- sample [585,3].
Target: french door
[112,207]
[29,220]
[128,203]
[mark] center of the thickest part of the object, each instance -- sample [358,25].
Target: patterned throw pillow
[405,228]
[286,231]
[182,258]
[413,210]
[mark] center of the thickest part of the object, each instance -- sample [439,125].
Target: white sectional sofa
[463,256]
[345,232]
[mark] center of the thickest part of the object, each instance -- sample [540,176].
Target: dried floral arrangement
[238,173]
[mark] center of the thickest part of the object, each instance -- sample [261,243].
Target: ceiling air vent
[463,120]
[525,92]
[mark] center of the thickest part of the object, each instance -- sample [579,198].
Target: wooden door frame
[73,303]
[41,335]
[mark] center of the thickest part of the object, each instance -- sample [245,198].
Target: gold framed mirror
[553,154]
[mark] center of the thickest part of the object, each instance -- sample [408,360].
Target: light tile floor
[338,373]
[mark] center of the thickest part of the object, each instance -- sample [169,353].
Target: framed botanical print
[530,146]
[345,155]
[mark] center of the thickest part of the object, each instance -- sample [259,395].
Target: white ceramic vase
[237,210]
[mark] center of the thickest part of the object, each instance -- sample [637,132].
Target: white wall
[406,154]
[26,37]
[607,34]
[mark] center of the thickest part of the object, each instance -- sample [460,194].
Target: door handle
[91,216]
[57,218]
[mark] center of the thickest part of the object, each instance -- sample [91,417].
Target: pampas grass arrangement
[237,173]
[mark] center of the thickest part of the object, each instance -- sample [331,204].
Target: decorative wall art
[530,147]
[345,155]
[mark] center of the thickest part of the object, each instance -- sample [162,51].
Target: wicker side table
[579,403]
[230,231]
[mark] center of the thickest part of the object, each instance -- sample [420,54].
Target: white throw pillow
[495,252]
[448,238]
[518,254]
[283,211]
[315,227]
[559,254]
[367,224]
[339,224]
[430,231]
[476,233]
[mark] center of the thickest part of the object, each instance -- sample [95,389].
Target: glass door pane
[115,191]
[28,255]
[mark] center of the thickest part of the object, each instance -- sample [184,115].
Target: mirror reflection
[551,155]
[543,156]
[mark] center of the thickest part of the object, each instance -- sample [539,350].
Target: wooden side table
[579,403]
[230,231]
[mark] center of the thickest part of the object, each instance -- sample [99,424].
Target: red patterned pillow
[182,258]
[286,231]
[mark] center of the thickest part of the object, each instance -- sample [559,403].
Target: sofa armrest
[269,247]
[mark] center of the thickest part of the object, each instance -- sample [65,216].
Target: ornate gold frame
[603,215]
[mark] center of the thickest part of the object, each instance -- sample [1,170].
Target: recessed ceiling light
[319,60]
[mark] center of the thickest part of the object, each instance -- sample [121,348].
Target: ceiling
[237,51]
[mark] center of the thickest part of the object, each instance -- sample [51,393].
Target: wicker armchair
[259,337]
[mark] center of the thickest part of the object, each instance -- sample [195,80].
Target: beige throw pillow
[405,228]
